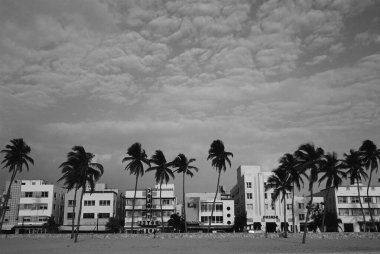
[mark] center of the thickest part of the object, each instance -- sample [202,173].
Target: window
[271,196]
[344,211]
[44,194]
[89,203]
[272,206]
[70,215]
[354,199]
[301,206]
[342,200]
[103,215]
[249,195]
[378,200]
[301,216]
[104,202]
[166,202]
[368,199]
[42,206]
[265,195]
[71,203]
[249,206]
[88,215]
[26,219]
[356,212]
[288,206]
[249,185]
[43,218]
[28,194]
[218,207]
[287,195]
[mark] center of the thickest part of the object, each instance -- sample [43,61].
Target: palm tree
[333,175]
[83,172]
[356,172]
[162,173]
[370,156]
[218,157]
[136,158]
[182,165]
[281,183]
[309,158]
[16,156]
[288,162]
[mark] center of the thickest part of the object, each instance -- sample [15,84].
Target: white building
[262,214]
[34,201]
[147,213]
[344,203]
[97,208]
[199,207]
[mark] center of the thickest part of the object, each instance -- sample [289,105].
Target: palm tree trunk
[361,206]
[293,219]
[79,213]
[3,211]
[213,203]
[183,202]
[73,217]
[307,214]
[368,202]
[285,224]
[162,215]
[324,211]
[133,203]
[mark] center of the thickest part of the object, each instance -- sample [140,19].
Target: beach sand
[185,245]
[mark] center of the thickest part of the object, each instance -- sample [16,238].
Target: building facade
[147,213]
[199,207]
[343,203]
[31,204]
[97,208]
[253,201]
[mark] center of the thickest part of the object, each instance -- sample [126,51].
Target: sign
[270,217]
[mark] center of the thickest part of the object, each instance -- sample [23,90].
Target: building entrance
[348,227]
[271,227]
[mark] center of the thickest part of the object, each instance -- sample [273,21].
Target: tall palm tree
[16,156]
[85,172]
[288,162]
[309,159]
[71,174]
[333,174]
[136,158]
[162,174]
[356,172]
[182,165]
[280,182]
[218,157]
[370,155]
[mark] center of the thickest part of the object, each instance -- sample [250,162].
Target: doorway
[271,227]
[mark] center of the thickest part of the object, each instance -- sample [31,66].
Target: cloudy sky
[263,76]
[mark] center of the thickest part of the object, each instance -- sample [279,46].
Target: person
[154,233]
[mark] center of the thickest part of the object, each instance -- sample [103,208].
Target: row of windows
[90,215]
[144,214]
[38,194]
[34,218]
[288,196]
[91,203]
[355,199]
[215,219]
[207,207]
[358,211]
[33,206]
[155,201]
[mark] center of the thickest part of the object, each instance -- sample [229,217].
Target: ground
[90,245]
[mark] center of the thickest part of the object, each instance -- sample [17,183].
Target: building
[199,207]
[31,204]
[251,200]
[147,213]
[97,208]
[343,203]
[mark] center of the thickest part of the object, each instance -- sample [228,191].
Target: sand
[91,245]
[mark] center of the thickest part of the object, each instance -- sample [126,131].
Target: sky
[262,76]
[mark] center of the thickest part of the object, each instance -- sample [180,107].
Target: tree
[280,182]
[356,172]
[79,166]
[333,174]
[316,215]
[16,156]
[51,226]
[162,174]
[240,222]
[288,162]
[182,166]
[136,158]
[218,157]
[114,225]
[309,159]
[176,222]
[370,156]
